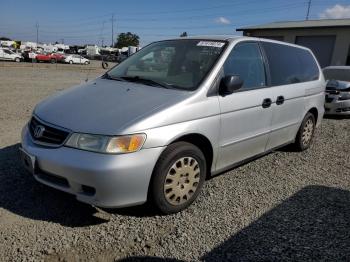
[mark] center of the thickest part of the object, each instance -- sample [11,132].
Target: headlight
[107,144]
[344,96]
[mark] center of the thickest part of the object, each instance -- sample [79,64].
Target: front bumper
[98,179]
[338,108]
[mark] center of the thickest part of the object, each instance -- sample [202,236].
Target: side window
[308,70]
[289,65]
[246,61]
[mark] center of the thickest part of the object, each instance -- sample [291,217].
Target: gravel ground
[283,206]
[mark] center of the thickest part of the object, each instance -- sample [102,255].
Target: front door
[246,114]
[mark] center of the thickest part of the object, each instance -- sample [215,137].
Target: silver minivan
[154,127]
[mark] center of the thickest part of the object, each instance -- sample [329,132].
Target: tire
[17,60]
[305,133]
[104,65]
[53,61]
[86,63]
[71,62]
[171,190]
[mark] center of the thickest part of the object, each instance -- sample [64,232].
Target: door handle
[280,100]
[266,103]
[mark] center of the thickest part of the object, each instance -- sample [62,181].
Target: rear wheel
[104,65]
[306,133]
[53,61]
[178,177]
[71,62]
[17,60]
[86,62]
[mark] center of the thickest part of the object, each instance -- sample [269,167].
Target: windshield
[179,64]
[8,52]
[342,74]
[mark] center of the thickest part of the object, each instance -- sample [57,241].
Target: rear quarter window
[289,65]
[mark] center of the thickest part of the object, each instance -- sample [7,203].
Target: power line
[112,21]
[308,9]
[73,30]
[246,12]
[37,32]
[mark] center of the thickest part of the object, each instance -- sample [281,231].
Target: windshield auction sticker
[211,44]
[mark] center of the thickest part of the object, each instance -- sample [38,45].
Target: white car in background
[337,100]
[8,55]
[76,59]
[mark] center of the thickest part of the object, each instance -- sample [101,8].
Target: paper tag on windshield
[211,44]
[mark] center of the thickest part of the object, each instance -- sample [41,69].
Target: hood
[105,106]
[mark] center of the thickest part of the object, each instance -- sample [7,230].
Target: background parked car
[337,100]
[52,58]
[29,56]
[76,59]
[8,55]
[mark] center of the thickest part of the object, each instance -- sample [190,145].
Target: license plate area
[28,161]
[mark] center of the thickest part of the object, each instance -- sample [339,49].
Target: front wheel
[306,133]
[178,177]
[53,61]
[71,62]
[17,60]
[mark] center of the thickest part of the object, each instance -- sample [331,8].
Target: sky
[90,22]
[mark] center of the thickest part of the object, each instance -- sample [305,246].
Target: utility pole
[112,20]
[308,9]
[37,32]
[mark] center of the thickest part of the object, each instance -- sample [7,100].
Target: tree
[127,39]
[5,38]
[184,34]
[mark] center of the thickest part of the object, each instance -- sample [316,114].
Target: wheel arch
[203,143]
[314,112]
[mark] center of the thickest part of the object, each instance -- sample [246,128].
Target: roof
[300,24]
[211,37]
[232,38]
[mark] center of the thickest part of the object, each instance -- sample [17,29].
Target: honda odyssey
[154,127]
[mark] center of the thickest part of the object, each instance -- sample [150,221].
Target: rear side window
[246,61]
[289,65]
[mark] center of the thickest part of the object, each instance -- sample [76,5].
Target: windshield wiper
[144,81]
[108,76]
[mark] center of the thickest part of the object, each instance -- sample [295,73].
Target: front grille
[50,135]
[332,92]
[329,99]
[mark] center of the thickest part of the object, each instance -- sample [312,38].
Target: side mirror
[229,84]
